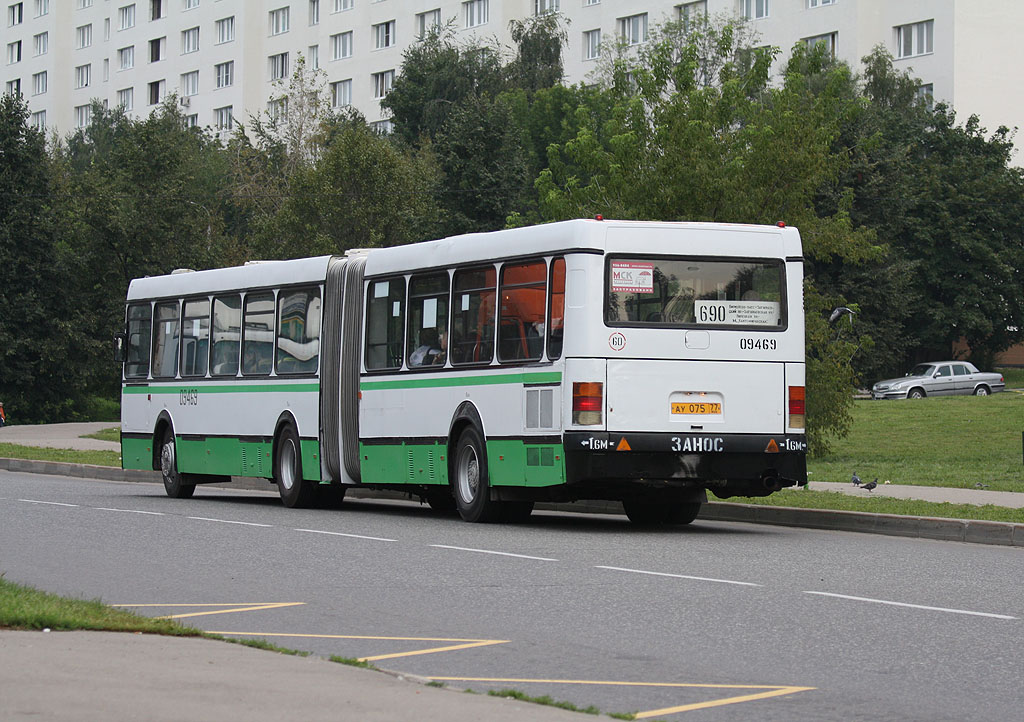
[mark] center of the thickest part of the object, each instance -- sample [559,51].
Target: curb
[922,527]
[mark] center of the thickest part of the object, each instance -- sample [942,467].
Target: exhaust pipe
[771,483]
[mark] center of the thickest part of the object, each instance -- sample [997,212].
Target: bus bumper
[726,464]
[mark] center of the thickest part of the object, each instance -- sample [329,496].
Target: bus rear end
[686,368]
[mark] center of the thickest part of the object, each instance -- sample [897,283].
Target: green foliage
[538,62]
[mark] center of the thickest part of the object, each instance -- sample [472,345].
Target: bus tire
[472,491]
[296,493]
[648,511]
[174,481]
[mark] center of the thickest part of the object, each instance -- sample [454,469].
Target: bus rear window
[697,292]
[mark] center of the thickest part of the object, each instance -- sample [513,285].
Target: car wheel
[174,481]
[295,492]
[472,490]
[981,391]
[915,394]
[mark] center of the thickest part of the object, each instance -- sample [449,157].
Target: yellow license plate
[696,407]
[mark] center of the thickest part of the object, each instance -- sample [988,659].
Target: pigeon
[856,479]
[979,485]
[871,484]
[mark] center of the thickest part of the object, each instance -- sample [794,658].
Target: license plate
[696,407]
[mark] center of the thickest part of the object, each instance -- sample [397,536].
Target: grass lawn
[956,441]
[1014,377]
[111,434]
[73,456]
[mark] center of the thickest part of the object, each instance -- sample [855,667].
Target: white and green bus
[643,362]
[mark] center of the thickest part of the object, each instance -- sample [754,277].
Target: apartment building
[221,57]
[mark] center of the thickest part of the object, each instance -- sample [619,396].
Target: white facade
[220,56]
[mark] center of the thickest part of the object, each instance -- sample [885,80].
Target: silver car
[939,378]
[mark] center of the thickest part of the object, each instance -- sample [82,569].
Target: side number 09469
[761,344]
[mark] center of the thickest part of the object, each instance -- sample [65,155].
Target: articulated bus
[643,362]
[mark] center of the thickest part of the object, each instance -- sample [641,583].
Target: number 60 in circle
[617,341]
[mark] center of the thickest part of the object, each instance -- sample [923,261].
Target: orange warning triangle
[623,445]
[772,447]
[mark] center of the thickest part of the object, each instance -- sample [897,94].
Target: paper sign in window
[632,277]
[429,313]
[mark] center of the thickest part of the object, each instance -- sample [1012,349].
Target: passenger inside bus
[428,350]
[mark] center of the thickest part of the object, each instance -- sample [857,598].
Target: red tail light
[796,407]
[587,403]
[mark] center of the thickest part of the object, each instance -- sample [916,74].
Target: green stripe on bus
[203,388]
[225,456]
[544,377]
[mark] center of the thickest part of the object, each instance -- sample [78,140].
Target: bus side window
[521,332]
[165,341]
[298,330]
[227,335]
[385,323]
[556,308]
[195,337]
[140,324]
[428,321]
[258,334]
[472,329]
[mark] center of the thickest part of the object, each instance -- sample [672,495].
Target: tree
[39,378]
[538,61]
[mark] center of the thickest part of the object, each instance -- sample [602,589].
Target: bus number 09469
[760,344]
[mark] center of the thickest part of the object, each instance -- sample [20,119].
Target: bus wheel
[472,492]
[646,511]
[174,480]
[295,493]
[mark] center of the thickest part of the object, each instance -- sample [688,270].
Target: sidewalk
[116,677]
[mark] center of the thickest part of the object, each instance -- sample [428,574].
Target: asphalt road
[715,621]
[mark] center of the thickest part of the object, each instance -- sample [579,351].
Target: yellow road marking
[255,607]
[465,643]
[770,691]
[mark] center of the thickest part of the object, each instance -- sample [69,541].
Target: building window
[83,75]
[225,73]
[543,7]
[754,9]
[83,36]
[591,2]
[156,91]
[156,9]
[157,49]
[425,22]
[223,119]
[278,109]
[633,29]
[126,98]
[42,8]
[189,4]
[126,57]
[14,52]
[592,44]
[106,70]
[82,4]
[926,95]
[341,46]
[279,21]
[226,30]
[189,41]
[382,83]
[383,127]
[828,40]
[83,114]
[340,5]
[314,12]
[313,55]
[41,43]
[475,13]
[39,120]
[820,3]
[192,121]
[126,16]
[15,14]
[39,83]
[690,13]
[341,93]
[278,66]
[915,39]
[384,35]
[190,84]
[13,87]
